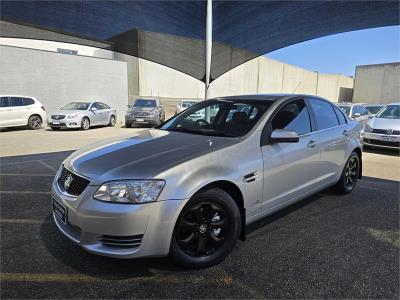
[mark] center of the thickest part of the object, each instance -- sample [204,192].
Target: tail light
[42,107]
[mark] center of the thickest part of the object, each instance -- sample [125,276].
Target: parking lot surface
[326,246]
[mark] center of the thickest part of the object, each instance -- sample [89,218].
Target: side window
[4,102]
[96,105]
[363,110]
[28,101]
[293,116]
[17,101]
[104,106]
[340,116]
[324,114]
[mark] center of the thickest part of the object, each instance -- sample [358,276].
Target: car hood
[141,156]
[382,123]
[66,112]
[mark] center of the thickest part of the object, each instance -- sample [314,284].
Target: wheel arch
[36,114]
[234,191]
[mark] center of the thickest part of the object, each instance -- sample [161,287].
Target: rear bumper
[141,120]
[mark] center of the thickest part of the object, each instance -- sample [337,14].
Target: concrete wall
[56,79]
[377,83]
[265,75]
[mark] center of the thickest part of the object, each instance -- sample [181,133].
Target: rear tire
[112,121]
[85,124]
[34,122]
[206,230]
[350,174]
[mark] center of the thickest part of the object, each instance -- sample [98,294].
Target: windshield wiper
[202,132]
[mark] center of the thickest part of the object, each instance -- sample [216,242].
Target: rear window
[28,101]
[145,103]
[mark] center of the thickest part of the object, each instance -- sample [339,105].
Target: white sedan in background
[383,130]
[21,111]
[185,104]
[83,115]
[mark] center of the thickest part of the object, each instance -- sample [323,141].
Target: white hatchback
[21,111]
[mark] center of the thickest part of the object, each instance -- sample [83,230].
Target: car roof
[394,103]
[22,96]
[263,97]
[369,104]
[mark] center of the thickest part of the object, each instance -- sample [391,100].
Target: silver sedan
[82,115]
[190,187]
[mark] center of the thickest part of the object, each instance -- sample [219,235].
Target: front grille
[141,114]
[75,185]
[386,131]
[57,117]
[382,143]
[131,241]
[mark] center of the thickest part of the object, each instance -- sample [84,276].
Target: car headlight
[72,116]
[367,128]
[130,191]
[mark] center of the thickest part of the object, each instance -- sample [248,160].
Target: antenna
[296,87]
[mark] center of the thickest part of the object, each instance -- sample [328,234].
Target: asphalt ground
[326,246]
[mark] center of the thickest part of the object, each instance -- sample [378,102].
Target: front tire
[34,122]
[85,124]
[350,174]
[206,230]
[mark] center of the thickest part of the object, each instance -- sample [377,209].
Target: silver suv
[190,188]
[145,112]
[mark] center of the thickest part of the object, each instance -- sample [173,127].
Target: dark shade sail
[172,33]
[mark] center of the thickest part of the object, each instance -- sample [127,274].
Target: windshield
[345,109]
[389,112]
[219,118]
[373,109]
[145,103]
[188,103]
[76,106]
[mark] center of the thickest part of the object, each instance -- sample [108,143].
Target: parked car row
[380,123]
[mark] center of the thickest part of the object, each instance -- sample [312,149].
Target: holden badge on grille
[67,182]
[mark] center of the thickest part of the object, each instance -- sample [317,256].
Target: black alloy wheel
[350,175]
[206,230]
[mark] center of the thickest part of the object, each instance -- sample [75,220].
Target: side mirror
[93,109]
[356,115]
[284,136]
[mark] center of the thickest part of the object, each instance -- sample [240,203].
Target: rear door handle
[311,144]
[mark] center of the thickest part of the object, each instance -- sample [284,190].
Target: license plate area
[139,120]
[60,211]
[388,139]
[56,123]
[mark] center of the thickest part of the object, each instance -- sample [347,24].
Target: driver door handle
[311,144]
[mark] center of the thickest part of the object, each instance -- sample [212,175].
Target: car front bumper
[65,123]
[141,120]
[381,140]
[117,230]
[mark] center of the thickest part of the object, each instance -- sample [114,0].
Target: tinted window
[96,105]
[340,116]
[4,102]
[145,103]
[345,109]
[293,116]
[17,101]
[76,106]
[104,106]
[28,101]
[324,114]
[390,112]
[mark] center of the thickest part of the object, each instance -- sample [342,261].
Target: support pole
[208,46]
